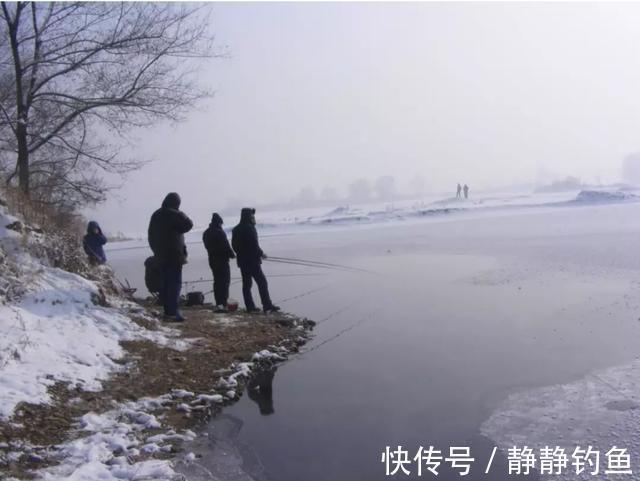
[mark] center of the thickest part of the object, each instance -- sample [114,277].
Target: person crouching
[219,251]
[93,243]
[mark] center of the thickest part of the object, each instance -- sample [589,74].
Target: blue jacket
[93,243]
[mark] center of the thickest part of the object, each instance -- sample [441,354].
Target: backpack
[152,275]
[195,298]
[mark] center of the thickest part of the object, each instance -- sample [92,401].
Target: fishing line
[312,291]
[317,263]
[317,266]
[360,321]
[333,314]
[199,281]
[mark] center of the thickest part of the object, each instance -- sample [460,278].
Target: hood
[93,225]
[171,201]
[246,215]
[216,219]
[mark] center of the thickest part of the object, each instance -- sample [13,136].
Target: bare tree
[75,78]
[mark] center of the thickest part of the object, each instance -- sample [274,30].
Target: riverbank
[138,421]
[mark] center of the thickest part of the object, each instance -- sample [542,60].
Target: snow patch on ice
[601,410]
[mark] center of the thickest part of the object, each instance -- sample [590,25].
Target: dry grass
[217,340]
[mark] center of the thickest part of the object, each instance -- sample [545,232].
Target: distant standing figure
[244,239]
[217,245]
[93,242]
[459,191]
[166,238]
[466,191]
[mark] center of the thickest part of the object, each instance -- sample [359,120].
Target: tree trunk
[21,108]
[23,158]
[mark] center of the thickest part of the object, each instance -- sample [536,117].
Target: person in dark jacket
[244,239]
[166,238]
[93,242]
[217,245]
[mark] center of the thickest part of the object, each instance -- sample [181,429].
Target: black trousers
[171,286]
[249,273]
[221,281]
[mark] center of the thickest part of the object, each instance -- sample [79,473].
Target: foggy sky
[321,94]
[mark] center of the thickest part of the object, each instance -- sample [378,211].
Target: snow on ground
[410,208]
[600,196]
[279,222]
[115,438]
[111,440]
[55,331]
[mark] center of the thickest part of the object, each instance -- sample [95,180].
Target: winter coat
[217,245]
[92,244]
[244,239]
[166,232]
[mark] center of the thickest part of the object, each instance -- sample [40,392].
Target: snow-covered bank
[136,440]
[54,329]
[93,386]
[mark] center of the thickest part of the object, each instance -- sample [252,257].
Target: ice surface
[599,410]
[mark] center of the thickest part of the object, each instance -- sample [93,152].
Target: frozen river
[466,322]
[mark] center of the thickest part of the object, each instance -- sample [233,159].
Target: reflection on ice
[220,456]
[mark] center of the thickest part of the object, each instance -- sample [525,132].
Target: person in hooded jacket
[166,238]
[244,239]
[219,251]
[93,242]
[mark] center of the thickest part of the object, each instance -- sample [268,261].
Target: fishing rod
[199,281]
[191,242]
[317,266]
[316,263]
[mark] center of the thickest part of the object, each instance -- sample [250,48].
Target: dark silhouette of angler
[219,252]
[166,232]
[93,243]
[244,239]
[466,191]
[459,191]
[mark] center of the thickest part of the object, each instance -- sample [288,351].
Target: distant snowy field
[427,208]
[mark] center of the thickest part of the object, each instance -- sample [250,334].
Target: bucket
[232,305]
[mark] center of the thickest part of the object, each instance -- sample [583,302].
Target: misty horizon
[314,97]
